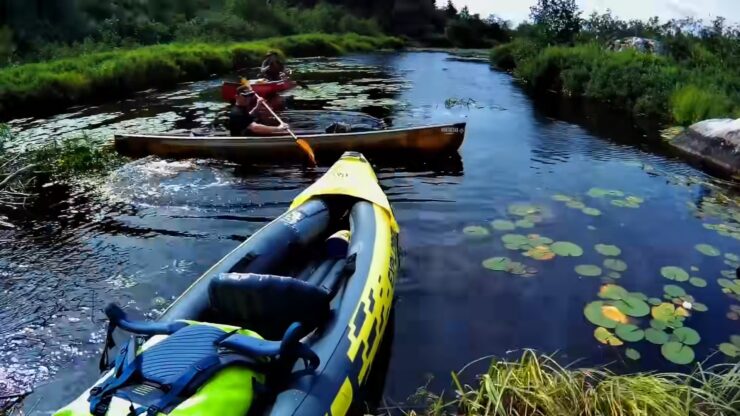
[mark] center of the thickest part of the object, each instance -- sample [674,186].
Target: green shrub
[690,104]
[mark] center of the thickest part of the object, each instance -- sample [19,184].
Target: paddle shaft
[279,119]
[301,143]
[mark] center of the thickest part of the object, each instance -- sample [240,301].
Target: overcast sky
[518,10]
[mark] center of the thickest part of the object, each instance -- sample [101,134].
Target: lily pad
[629,332]
[633,306]
[619,203]
[632,354]
[735,340]
[732,257]
[674,291]
[707,250]
[522,210]
[655,301]
[677,353]
[541,253]
[656,336]
[524,224]
[605,336]
[476,231]
[567,249]
[591,211]
[698,282]
[534,218]
[561,198]
[694,269]
[597,192]
[730,274]
[729,350]
[514,239]
[700,307]
[615,264]
[686,336]
[499,264]
[503,225]
[614,275]
[518,269]
[594,312]
[674,273]
[537,240]
[659,325]
[588,270]
[575,204]
[669,314]
[512,247]
[613,292]
[607,250]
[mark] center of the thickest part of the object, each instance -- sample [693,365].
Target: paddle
[300,142]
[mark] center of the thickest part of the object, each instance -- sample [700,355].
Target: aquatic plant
[536,384]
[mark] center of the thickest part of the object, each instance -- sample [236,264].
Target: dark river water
[141,235]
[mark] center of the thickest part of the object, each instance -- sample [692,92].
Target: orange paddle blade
[307,148]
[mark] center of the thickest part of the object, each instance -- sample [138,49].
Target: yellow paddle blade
[244,81]
[307,148]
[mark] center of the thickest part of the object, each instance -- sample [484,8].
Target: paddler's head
[245,95]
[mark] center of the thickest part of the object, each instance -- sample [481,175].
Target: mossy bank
[54,85]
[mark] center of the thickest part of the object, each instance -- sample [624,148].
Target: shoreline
[58,84]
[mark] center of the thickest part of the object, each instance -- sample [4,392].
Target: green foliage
[691,103]
[560,19]
[74,157]
[537,385]
[642,83]
[63,82]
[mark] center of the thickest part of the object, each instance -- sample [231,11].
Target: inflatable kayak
[289,323]
[426,140]
[261,87]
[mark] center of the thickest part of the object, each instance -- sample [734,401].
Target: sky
[518,10]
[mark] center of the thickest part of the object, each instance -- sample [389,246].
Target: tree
[465,13]
[560,19]
[450,10]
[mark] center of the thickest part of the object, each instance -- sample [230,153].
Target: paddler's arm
[262,129]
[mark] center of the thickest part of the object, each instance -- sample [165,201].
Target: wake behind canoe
[424,140]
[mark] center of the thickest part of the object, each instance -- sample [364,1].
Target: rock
[716,142]
[644,45]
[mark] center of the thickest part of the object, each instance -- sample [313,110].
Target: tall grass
[60,83]
[536,385]
[644,84]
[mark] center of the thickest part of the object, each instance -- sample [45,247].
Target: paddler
[272,68]
[244,116]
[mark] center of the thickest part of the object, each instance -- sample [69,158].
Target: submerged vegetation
[21,174]
[537,385]
[59,83]
[690,76]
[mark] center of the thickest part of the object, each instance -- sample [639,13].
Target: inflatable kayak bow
[289,323]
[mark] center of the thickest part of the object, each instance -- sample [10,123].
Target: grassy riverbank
[537,385]
[56,84]
[642,83]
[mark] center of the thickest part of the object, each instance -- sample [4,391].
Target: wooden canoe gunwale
[427,139]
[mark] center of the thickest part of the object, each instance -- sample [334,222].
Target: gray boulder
[715,141]
[643,45]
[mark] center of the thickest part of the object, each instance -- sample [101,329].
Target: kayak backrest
[268,304]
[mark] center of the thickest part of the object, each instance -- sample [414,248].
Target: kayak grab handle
[118,318]
[288,349]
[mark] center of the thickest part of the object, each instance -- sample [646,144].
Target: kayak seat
[267,304]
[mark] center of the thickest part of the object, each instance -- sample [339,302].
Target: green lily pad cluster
[527,216]
[505,264]
[575,203]
[725,230]
[732,260]
[678,296]
[616,197]
[730,287]
[679,349]
[732,348]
